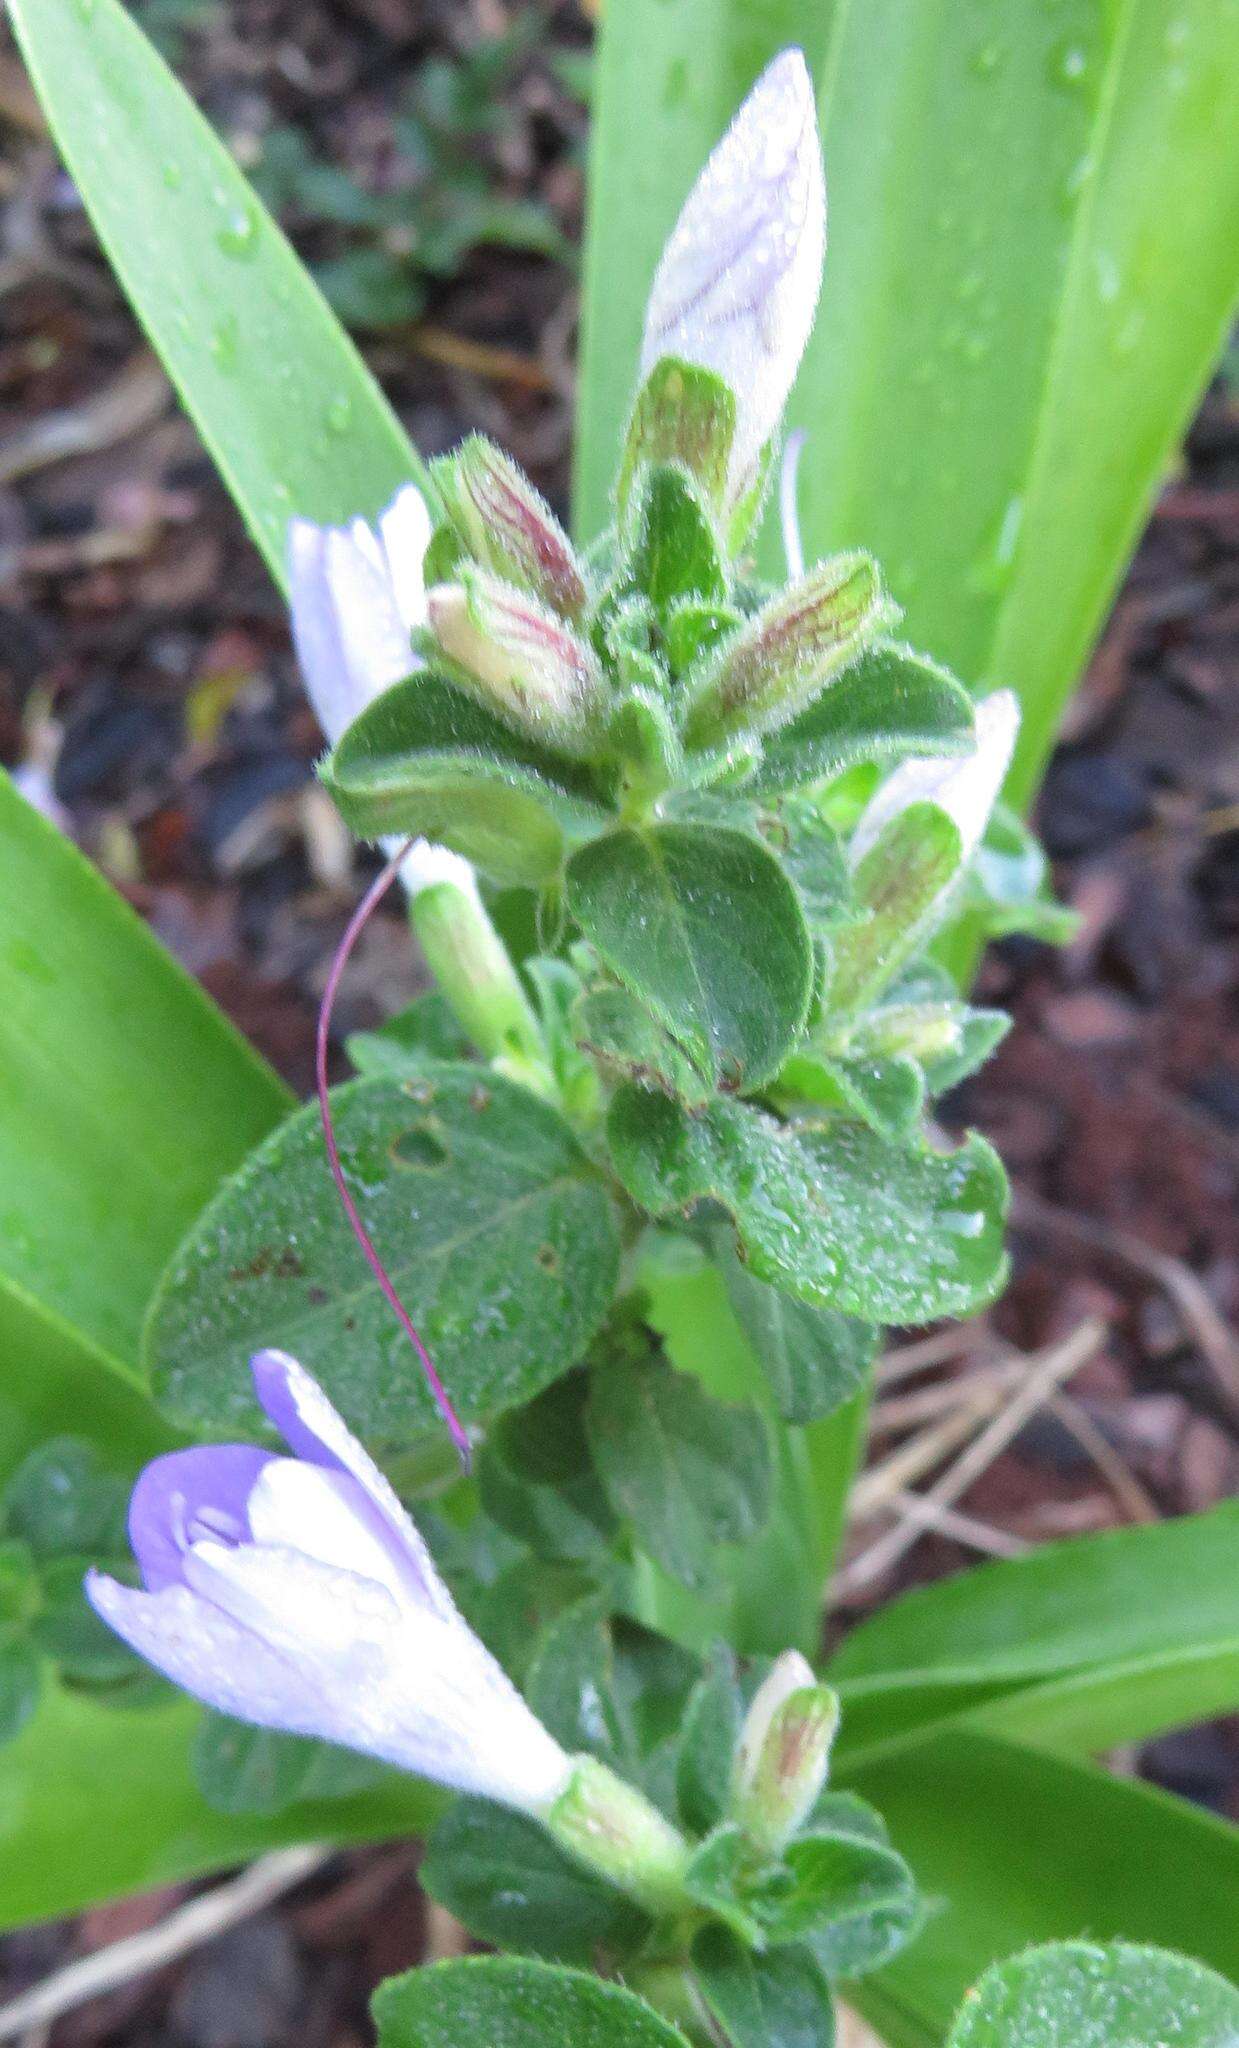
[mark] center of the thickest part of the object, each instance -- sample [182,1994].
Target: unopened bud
[685,417]
[737,285]
[610,1826]
[509,527]
[520,657]
[784,656]
[783,1753]
[966,787]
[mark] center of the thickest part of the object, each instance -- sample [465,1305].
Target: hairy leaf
[701,923]
[827,1212]
[493,1223]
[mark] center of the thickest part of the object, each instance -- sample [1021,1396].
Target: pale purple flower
[296,1593]
[965,788]
[738,283]
[357,593]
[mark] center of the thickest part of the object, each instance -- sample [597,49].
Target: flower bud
[965,788]
[784,656]
[520,657]
[783,1752]
[509,527]
[739,278]
[613,1828]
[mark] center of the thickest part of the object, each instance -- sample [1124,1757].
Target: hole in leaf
[419,1146]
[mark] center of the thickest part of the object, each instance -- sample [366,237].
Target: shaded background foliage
[428,162]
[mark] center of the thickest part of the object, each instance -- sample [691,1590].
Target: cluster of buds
[657,662]
[296,1593]
[646,662]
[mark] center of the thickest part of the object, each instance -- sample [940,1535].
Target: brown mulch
[144,658]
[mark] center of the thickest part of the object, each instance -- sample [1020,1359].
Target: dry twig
[1045,1373]
[188,1928]
[1217,1341]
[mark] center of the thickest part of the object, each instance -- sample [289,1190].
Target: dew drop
[223,342]
[238,236]
[1068,65]
[339,413]
[172,174]
[1009,532]
[1108,279]
[986,60]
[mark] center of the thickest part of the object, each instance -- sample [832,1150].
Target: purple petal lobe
[300,1410]
[188,1495]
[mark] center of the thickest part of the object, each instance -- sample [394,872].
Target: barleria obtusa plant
[645,1178]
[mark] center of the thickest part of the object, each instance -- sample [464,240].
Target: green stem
[472,967]
[669,1988]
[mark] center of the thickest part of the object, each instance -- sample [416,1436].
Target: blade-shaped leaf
[96,1801]
[281,397]
[493,1223]
[1082,1645]
[1023,1847]
[126,1098]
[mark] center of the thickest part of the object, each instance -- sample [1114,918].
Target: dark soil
[145,667]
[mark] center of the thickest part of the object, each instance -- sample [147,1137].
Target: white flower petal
[472,1729]
[405,530]
[966,789]
[222,1664]
[316,634]
[738,283]
[326,1516]
[302,1413]
[297,1605]
[319,1611]
[789,1673]
[372,634]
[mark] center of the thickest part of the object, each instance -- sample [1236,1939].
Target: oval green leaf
[507,2004]
[427,758]
[494,1226]
[701,923]
[1078,1994]
[827,1211]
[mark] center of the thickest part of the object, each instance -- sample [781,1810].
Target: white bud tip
[738,282]
[425,865]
